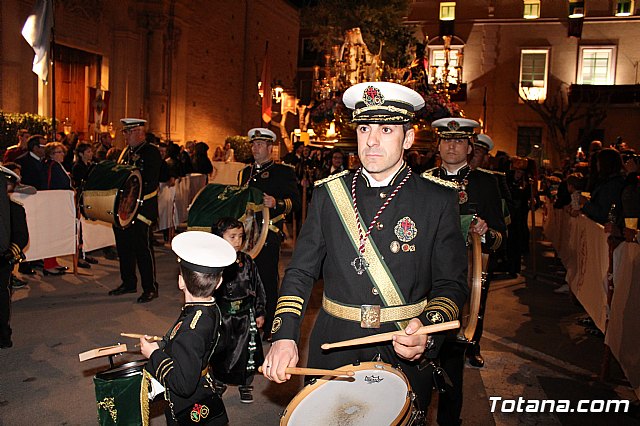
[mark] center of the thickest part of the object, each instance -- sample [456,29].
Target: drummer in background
[134,242]
[15,236]
[180,361]
[478,194]
[281,196]
[420,260]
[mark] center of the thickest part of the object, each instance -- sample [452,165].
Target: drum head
[125,370]
[126,203]
[378,394]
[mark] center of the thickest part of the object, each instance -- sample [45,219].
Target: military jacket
[418,236]
[277,180]
[184,353]
[146,157]
[484,199]
[18,234]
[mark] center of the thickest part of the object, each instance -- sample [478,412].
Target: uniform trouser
[135,248]
[450,402]
[5,300]
[267,263]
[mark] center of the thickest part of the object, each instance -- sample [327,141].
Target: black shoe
[245,394]
[17,282]
[122,290]
[83,264]
[91,260]
[220,388]
[147,296]
[52,271]
[476,361]
[26,269]
[62,268]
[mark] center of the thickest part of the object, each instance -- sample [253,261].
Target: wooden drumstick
[137,336]
[384,337]
[314,371]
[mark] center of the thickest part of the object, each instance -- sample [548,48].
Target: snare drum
[112,193]
[120,394]
[377,394]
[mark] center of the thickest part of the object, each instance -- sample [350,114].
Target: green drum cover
[216,201]
[107,175]
[119,401]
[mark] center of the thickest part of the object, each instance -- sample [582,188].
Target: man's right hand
[283,354]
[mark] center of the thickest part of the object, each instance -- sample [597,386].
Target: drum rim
[116,201]
[403,415]
[121,371]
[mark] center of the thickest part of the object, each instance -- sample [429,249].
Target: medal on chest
[463,197]
[360,264]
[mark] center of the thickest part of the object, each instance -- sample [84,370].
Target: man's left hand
[269,201]
[479,226]
[410,347]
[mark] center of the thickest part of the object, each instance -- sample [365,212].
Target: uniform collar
[458,172]
[263,165]
[372,183]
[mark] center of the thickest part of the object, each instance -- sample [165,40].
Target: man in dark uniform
[14,239]
[406,251]
[478,195]
[480,161]
[281,196]
[134,242]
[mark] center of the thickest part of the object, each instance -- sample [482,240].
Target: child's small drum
[112,193]
[121,395]
[378,394]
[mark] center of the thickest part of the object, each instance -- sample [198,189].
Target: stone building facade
[191,68]
[499,44]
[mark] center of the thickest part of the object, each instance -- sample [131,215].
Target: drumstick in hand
[137,336]
[314,371]
[385,337]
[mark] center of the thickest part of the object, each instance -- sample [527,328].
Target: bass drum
[476,276]
[216,201]
[112,194]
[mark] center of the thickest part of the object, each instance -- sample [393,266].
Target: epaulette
[491,172]
[439,181]
[195,319]
[331,177]
[430,170]
[289,165]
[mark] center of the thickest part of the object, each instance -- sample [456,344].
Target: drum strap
[377,269]
[150,195]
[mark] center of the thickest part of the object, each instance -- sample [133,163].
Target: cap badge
[453,125]
[405,229]
[257,134]
[372,96]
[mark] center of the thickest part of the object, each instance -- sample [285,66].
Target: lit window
[447,10]
[436,63]
[597,65]
[531,9]
[624,7]
[576,8]
[533,74]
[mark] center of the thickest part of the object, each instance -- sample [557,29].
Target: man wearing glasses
[134,242]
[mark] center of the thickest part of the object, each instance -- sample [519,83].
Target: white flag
[37,32]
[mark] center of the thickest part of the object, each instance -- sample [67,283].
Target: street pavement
[533,346]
